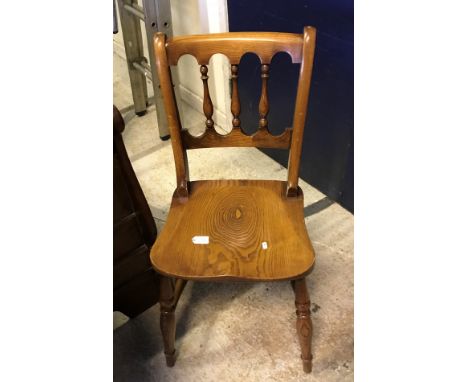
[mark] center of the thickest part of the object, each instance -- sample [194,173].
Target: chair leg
[303,322]
[167,321]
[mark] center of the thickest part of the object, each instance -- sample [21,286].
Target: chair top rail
[234,45]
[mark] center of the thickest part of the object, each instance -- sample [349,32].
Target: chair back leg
[303,322]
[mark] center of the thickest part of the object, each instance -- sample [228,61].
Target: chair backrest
[234,45]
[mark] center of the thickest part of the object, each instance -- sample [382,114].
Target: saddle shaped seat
[235,229]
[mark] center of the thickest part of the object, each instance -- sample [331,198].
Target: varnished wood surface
[237,216]
[300,110]
[207,104]
[263,106]
[235,100]
[255,229]
[234,45]
[237,138]
[173,118]
[170,292]
[303,322]
[167,318]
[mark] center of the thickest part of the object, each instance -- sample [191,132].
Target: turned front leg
[303,322]
[167,321]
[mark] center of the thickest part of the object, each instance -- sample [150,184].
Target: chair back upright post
[173,117]
[300,110]
[234,45]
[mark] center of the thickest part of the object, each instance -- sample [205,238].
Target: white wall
[197,17]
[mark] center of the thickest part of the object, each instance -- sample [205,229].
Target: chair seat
[234,229]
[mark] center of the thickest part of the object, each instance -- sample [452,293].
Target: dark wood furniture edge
[140,290]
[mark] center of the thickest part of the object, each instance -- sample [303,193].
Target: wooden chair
[235,229]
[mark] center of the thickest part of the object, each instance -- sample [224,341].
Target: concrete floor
[236,331]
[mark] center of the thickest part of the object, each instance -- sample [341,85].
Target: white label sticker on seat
[201,240]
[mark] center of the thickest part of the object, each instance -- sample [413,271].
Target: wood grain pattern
[207,104]
[251,229]
[235,100]
[234,45]
[237,138]
[237,216]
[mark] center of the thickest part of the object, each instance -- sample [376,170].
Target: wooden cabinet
[136,285]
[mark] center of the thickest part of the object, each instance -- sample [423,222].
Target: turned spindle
[167,318]
[303,322]
[263,105]
[235,101]
[207,104]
